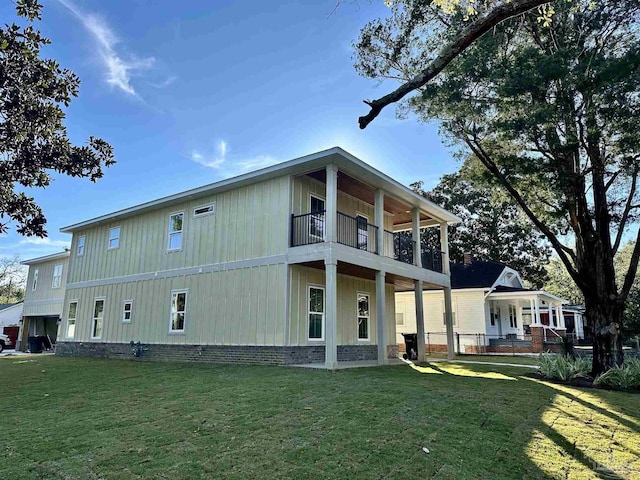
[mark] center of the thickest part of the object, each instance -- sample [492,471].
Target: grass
[88,419]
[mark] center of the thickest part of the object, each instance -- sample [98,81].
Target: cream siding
[249,222]
[45,300]
[348,287]
[236,307]
[469,308]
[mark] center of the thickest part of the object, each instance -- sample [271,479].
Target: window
[175,231]
[80,250]
[71,319]
[178,311]
[114,238]
[57,276]
[316,313]
[127,311]
[363,316]
[513,318]
[362,224]
[494,315]
[316,220]
[400,319]
[34,284]
[444,314]
[204,210]
[98,312]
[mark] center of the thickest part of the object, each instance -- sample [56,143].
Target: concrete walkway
[473,362]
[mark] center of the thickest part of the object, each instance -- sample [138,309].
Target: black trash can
[411,346]
[35,345]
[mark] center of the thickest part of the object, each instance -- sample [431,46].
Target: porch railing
[398,246]
[432,259]
[357,232]
[307,228]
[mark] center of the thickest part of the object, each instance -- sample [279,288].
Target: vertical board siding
[249,222]
[44,292]
[223,308]
[348,287]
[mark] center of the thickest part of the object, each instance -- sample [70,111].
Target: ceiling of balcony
[351,186]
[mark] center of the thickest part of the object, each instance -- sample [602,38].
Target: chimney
[467,259]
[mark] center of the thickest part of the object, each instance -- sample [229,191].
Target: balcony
[309,228]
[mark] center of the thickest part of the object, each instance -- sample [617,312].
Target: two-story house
[43,297]
[292,264]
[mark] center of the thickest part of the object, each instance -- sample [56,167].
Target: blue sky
[192,92]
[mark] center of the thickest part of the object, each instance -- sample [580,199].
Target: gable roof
[336,155]
[46,258]
[476,274]
[6,305]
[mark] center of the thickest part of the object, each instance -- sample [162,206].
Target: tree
[560,283]
[492,227]
[33,138]
[551,112]
[12,278]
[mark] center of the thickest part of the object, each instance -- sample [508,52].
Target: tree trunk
[606,317]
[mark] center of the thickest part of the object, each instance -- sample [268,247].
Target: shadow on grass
[605,468]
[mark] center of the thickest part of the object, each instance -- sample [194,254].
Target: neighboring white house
[10,314]
[491,309]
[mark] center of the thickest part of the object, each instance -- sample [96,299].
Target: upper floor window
[57,276]
[80,250]
[34,283]
[114,237]
[202,210]
[175,231]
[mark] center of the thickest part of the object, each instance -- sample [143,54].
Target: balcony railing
[358,233]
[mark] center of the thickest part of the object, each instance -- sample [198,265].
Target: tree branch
[627,208]
[472,32]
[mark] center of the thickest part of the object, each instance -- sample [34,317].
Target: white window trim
[75,320]
[169,232]
[53,279]
[309,312]
[513,320]
[124,320]
[34,280]
[84,243]
[211,205]
[93,311]
[186,310]
[368,294]
[109,247]
[399,324]
[324,227]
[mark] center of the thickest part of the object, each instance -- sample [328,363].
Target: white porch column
[420,320]
[381,310]
[415,236]
[448,315]
[537,306]
[444,248]
[550,314]
[331,314]
[519,318]
[561,319]
[379,220]
[332,204]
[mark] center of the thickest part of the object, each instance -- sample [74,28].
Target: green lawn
[101,419]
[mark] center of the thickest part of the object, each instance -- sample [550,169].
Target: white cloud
[44,242]
[119,70]
[229,166]
[165,83]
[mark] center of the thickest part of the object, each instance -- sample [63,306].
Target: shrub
[563,368]
[625,377]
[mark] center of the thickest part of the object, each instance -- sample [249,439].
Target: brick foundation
[222,354]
